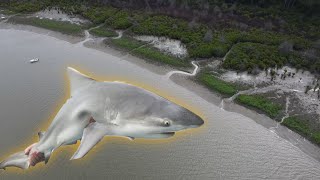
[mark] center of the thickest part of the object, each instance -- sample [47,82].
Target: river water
[228,146]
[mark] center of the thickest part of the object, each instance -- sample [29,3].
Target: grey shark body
[97,109]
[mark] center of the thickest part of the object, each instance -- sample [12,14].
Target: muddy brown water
[228,146]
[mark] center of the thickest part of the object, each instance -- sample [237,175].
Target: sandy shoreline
[182,80]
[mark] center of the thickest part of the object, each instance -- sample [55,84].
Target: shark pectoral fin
[92,134]
[130,138]
[19,160]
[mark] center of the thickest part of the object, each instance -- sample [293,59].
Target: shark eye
[166,123]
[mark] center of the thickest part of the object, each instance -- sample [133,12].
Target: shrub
[215,84]
[302,127]
[99,14]
[261,103]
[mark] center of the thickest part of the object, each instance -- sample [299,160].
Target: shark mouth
[168,133]
[159,135]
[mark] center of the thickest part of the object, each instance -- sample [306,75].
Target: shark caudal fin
[78,80]
[92,134]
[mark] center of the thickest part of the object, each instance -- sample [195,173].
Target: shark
[97,109]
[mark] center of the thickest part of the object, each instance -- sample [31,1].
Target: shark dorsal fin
[78,80]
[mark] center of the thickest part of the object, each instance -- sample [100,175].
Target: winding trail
[86,39]
[88,36]
[194,72]
[284,117]
[120,34]
[232,98]
[287,110]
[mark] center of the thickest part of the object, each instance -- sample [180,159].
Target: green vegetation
[99,14]
[214,39]
[124,19]
[157,56]
[6,12]
[216,84]
[191,35]
[261,103]
[265,37]
[63,27]
[25,7]
[202,42]
[303,128]
[119,20]
[103,32]
[247,56]
[126,43]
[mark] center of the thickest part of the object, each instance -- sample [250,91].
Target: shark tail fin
[2,166]
[19,160]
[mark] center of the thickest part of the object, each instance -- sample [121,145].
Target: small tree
[307,89]
[315,87]
[285,48]
[272,74]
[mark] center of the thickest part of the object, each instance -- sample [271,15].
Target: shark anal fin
[92,134]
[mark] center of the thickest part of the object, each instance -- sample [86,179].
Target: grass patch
[103,32]
[158,56]
[216,84]
[63,27]
[6,12]
[261,103]
[303,128]
[126,43]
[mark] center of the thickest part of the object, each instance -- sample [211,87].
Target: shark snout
[196,121]
[189,119]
